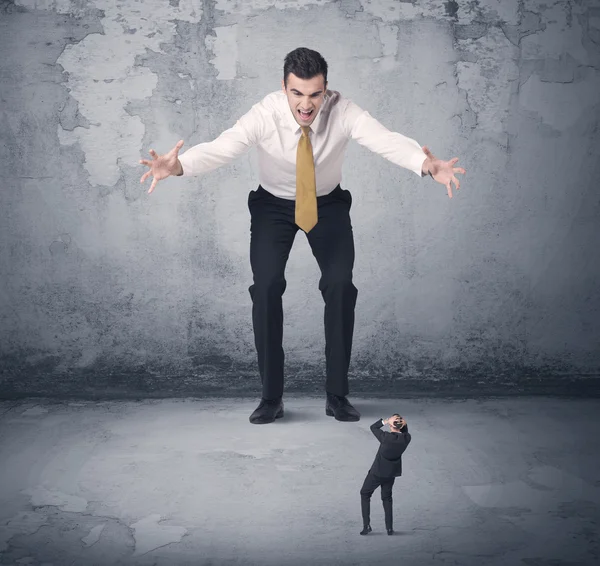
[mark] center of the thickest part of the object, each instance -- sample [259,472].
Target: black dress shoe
[366,530]
[340,408]
[390,531]
[267,411]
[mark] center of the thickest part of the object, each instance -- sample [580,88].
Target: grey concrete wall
[106,289]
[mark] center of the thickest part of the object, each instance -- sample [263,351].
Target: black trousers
[272,232]
[371,483]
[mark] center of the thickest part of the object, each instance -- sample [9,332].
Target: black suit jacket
[388,461]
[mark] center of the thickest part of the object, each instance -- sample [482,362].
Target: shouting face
[305,97]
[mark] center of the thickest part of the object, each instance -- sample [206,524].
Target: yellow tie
[306,186]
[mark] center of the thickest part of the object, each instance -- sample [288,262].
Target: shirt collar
[294,126]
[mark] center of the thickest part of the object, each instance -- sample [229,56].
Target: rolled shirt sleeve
[231,144]
[395,147]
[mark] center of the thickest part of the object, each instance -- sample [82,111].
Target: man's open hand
[162,166]
[443,171]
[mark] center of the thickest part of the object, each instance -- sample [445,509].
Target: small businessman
[386,467]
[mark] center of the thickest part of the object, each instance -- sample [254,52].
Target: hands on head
[390,421]
[162,166]
[443,171]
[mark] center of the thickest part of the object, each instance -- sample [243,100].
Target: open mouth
[305,115]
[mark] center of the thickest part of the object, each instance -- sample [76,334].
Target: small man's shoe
[366,530]
[390,531]
[340,408]
[267,411]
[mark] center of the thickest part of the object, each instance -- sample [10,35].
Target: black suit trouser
[272,232]
[371,483]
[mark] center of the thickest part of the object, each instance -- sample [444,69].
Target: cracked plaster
[150,534]
[499,75]
[103,77]
[553,101]
[561,35]
[94,535]
[488,82]
[42,497]
[224,47]
[245,7]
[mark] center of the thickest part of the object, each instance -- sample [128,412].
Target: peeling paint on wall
[245,7]
[105,287]
[489,80]
[224,46]
[102,76]
[554,102]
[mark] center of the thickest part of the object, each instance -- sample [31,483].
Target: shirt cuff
[421,169]
[186,164]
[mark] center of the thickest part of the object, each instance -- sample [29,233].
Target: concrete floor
[172,482]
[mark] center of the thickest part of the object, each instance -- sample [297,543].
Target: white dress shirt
[270,126]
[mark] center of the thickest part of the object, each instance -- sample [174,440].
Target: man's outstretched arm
[205,157]
[397,148]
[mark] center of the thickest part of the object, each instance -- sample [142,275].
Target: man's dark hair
[305,64]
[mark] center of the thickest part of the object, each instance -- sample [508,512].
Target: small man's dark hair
[305,64]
